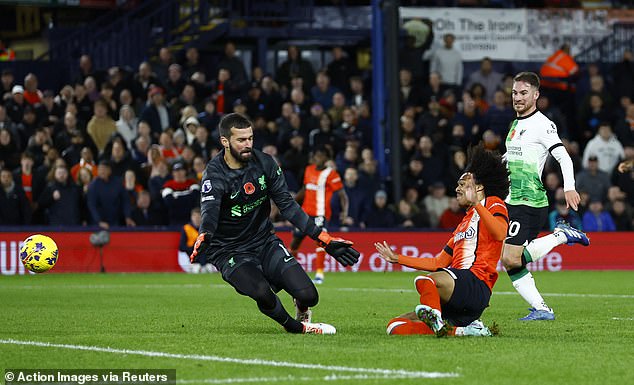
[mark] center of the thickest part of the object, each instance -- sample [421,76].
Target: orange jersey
[472,245]
[319,186]
[476,243]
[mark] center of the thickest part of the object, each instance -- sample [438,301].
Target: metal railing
[611,48]
[128,37]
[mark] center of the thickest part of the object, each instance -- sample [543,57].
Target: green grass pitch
[199,326]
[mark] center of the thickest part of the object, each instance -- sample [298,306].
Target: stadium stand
[300,103]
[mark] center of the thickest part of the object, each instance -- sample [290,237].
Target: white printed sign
[513,34]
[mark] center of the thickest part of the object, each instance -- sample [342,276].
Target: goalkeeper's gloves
[339,248]
[201,246]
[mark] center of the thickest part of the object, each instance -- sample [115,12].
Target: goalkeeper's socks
[426,287]
[281,316]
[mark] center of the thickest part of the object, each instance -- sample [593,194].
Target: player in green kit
[532,136]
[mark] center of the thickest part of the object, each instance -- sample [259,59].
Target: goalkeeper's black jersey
[235,204]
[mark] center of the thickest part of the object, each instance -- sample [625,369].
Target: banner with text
[513,34]
[158,252]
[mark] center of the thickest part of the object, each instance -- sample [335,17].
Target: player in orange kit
[320,183]
[455,294]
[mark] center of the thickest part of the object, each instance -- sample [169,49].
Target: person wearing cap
[593,180]
[189,129]
[156,112]
[127,125]
[380,216]
[180,195]
[107,200]
[15,105]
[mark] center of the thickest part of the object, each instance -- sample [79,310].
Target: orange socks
[405,326]
[426,287]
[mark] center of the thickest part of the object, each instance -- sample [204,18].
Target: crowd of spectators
[128,148]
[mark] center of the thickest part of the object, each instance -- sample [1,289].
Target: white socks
[527,289]
[539,247]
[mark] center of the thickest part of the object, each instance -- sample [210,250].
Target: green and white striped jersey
[528,143]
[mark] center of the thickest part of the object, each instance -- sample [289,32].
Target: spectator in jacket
[156,113]
[14,207]
[606,147]
[108,202]
[597,219]
[593,181]
[147,212]
[380,216]
[101,126]
[180,195]
[563,213]
[62,199]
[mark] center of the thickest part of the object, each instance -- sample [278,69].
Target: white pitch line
[254,361]
[623,319]
[330,377]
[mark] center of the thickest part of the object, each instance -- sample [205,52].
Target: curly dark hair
[489,170]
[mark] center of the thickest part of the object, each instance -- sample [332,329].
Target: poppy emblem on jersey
[249,188]
[206,186]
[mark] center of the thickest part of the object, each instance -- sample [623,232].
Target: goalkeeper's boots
[539,315]
[474,329]
[318,328]
[302,316]
[572,235]
[432,318]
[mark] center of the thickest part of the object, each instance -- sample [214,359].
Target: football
[39,253]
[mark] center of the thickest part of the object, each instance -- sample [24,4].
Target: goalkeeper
[237,237]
